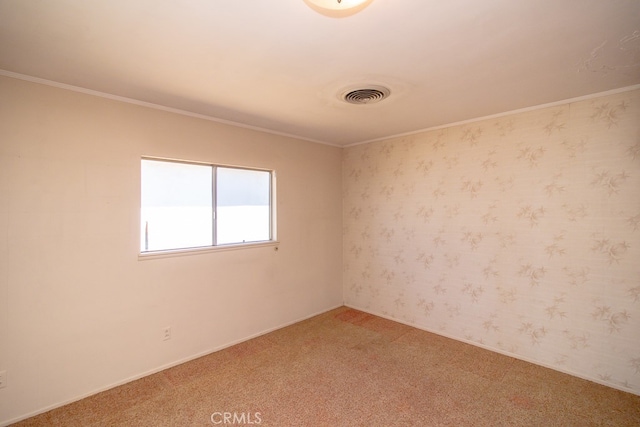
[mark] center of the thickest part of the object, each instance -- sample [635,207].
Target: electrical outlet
[166,333]
[3,379]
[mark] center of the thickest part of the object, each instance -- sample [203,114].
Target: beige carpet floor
[349,368]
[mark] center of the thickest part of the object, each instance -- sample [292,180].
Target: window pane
[242,202]
[176,206]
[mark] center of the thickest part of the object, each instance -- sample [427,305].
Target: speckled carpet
[349,368]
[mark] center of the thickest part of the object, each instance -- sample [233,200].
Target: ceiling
[280,66]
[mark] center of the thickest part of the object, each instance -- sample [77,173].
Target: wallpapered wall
[520,234]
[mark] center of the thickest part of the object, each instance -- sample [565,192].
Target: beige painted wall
[520,234]
[78,311]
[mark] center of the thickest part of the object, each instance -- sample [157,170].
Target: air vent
[367,95]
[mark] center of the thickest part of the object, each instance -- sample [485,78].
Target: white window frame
[215,247]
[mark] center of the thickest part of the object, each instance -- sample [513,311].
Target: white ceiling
[279,66]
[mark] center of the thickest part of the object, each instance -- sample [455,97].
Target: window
[191,205]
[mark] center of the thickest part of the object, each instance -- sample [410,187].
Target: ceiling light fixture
[337,8]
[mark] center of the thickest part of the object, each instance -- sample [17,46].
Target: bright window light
[242,205]
[187,205]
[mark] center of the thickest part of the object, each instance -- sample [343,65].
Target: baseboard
[163,367]
[500,351]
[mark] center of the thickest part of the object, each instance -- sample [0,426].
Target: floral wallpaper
[520,234]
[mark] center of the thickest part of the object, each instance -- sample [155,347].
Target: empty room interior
[320,212]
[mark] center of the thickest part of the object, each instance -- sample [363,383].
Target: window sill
[143,256]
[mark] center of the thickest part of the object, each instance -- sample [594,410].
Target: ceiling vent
[366,95]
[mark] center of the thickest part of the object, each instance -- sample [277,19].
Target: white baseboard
[161,368]
[500,351]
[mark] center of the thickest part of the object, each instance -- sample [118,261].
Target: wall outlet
[3,379]
[166,333]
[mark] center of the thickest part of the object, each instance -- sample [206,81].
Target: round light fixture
[337,8]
